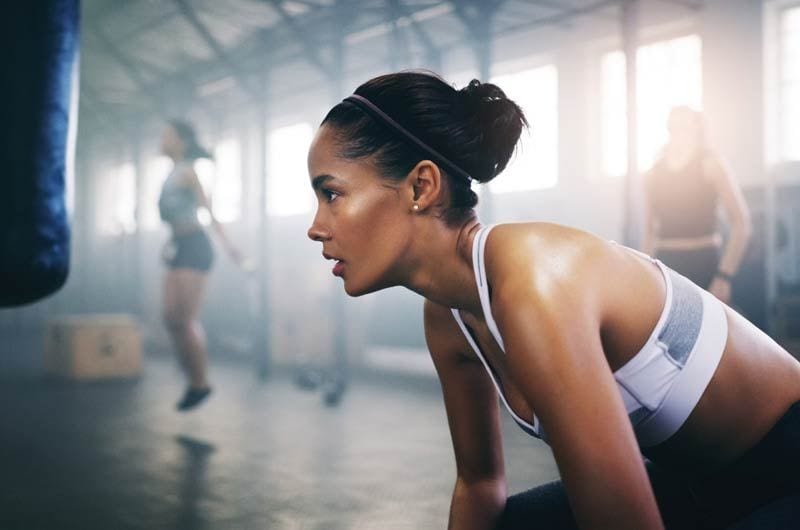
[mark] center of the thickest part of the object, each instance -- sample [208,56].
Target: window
[288,190]
[156,171]
[221,179]
[535,163]
[227,190]
[204,168]
[669,73]
[790,84]
[117,194]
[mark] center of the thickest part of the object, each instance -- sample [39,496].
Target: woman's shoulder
[545,258]
[542,242]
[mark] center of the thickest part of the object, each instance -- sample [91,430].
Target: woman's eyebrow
[318,181]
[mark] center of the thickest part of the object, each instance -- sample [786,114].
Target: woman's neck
[440,267]
[677,155]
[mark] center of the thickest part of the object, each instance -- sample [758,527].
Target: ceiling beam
[92,106]
[202,30]
[399,52]
[304,38]
[268,45]
[565,15]
[552,4]
[477,18]
[131,70]
[688,4]
[433,51]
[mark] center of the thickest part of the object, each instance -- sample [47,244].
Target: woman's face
[683,129]
[363,220]
[171,143]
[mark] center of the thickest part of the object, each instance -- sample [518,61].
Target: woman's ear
[426,182]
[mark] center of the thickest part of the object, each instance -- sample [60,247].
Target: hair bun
[497,123]
[476,93]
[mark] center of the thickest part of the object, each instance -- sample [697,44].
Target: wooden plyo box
[93,346]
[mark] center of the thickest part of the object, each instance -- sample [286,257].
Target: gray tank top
[177,204]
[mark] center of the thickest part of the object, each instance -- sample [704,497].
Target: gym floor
[258,455]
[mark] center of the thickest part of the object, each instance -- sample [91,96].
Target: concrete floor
[258,456]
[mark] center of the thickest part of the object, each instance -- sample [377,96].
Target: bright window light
[125,211]
[669,74]
[227,191]
[790,84]
[117,191]
[205,174]
[288,190]
[535,163]
[156,171]
[614,122]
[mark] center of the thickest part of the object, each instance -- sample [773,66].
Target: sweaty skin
[571,308]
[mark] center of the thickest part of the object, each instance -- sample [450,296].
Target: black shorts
[189,251]
[699,265]
[759,490]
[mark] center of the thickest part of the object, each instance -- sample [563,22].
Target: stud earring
[415,207]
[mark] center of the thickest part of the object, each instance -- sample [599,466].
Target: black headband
[371,109]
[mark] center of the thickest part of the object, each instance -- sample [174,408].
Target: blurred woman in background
[683,191]
[188,256]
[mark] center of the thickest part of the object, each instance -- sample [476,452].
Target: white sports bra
[661,384]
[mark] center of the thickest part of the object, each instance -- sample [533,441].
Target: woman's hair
[475,128]
[193,149]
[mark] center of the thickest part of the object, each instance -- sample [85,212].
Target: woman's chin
[355,289]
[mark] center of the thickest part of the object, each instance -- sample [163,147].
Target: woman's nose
[317,232]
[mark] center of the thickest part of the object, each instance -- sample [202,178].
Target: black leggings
[759,490]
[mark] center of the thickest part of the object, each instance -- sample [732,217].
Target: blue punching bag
[37,94]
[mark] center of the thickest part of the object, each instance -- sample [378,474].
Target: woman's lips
[338,268]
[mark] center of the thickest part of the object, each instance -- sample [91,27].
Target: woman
[589,344]
[188,257]
[683,190]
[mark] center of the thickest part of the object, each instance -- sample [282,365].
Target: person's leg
[547,506]
[169,313]
[544,506]
[760,485]
[183,292]
[781,513]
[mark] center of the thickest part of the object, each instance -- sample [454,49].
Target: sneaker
[192,398]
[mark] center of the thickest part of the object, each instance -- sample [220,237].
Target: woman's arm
[470,399]
[550,316]
[202,200]
[740,226]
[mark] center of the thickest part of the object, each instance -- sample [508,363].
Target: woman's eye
[330,196]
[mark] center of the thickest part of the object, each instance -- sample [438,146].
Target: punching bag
[37,121]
